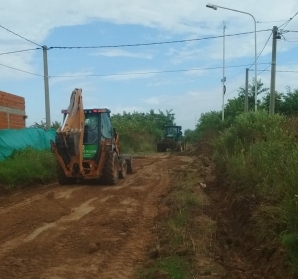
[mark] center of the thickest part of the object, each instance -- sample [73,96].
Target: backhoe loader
[87,147]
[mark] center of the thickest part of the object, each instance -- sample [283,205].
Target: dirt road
[84,231]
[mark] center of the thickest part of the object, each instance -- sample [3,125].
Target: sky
[184,77]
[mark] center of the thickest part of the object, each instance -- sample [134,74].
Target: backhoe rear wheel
[62,178]
[110,172]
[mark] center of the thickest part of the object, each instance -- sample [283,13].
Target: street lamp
[214,7]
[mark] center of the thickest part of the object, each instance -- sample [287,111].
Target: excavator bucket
[69,138]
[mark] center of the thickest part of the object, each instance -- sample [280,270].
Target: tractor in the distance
[173,139]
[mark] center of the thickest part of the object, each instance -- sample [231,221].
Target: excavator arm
[69,138]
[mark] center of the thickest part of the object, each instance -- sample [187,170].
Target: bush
[259,156]
[27,167]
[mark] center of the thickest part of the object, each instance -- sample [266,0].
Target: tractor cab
[173,132]
[97,127]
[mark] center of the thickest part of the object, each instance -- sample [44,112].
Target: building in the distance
[12,111]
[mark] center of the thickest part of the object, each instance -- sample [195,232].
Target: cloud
[130,75]
[154,100]
[129,109]
[69,76]
[122,53]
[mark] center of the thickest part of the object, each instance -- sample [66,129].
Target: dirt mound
[196,149]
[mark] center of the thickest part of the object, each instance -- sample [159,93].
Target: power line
[20,36]
[127,74]
[146,73]
[265,70]
[272,21]
[286,23]
[249,80]
[262,49]
[252,63]
[17,51]
[292,40]
[153,43]
[21,70]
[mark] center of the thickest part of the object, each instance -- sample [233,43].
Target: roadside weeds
[185,244]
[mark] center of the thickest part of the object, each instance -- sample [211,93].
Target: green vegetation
[55,125]
[258,156]
[140,131]
[176,233]
[27,167]
[210,123]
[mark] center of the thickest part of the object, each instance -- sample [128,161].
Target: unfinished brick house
[12,111]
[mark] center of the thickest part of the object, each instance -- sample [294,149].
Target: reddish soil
[83,231]
[98,231]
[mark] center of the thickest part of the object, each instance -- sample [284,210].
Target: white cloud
[178,19]
[122,53]
[69,76]
[130,75]
[154,100]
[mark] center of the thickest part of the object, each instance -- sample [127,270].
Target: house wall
[12,111]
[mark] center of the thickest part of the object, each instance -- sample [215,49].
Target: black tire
[129,165]
[179,146]
[110,172]
[158,148]
[62,178]
[123,169]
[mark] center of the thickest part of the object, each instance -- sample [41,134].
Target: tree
[290,103]
[279,102]
[42,125]
[235,106]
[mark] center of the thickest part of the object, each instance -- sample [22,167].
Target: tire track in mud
[37,197]
[116,241]
[122,266]
[120,223]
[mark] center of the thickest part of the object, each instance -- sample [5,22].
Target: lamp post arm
[256,80]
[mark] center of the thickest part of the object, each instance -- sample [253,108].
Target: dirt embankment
[91,231]
[236,246]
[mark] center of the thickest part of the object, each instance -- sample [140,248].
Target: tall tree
[235,106]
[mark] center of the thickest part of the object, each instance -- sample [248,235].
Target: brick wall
[12,111]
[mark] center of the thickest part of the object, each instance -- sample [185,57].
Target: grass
[27,167]
[259,157]
[177,242]
[173,267]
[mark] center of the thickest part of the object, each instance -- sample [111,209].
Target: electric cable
[20,70]
[17,51]
[252,63]
[20,36]
[154,43]
[147,73]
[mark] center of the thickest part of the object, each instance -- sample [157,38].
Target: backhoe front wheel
[110,172]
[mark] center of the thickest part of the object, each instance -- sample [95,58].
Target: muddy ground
[98,231]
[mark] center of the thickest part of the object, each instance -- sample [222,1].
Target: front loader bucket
[68,145]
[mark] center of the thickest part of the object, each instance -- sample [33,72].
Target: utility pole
[273,70]
[46,87]
[246,91]
[223,76]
